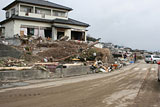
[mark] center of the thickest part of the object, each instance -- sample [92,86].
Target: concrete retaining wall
[23,75]
[13,41]
[72,71]
[38,74]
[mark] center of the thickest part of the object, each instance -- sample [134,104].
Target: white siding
[9,29]
[16,10]
[18,24]
[99,45]
[54,33]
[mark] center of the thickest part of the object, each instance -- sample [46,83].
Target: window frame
[58,13]
[13,11]
[7,14]
[29,33]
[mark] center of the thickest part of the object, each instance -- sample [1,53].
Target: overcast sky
[132,23]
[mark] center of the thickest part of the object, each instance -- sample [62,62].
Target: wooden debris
[15,68]
[51,63]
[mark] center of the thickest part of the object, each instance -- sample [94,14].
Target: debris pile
[48,55]
[9,62]
[58,50]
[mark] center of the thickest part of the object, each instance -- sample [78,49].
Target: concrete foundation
[38,74]
[73,71]
[23,75]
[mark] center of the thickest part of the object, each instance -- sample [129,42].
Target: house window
[59,13]
[13,12]
[30,31]
[42,11]
[7,14]
[2,31]
[26,9]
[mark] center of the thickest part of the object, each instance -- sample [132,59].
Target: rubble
[48,56]
[15,68]
[10,62]
[61,49]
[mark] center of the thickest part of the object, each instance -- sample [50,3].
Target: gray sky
[133,23]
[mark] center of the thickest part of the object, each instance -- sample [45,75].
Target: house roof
[70,21]
[60,26]
[38,2]
[25,18]
[61,21]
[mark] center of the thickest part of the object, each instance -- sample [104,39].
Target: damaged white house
[41,18]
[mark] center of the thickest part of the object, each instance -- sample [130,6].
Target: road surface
[132,86]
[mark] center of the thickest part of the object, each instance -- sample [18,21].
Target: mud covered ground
[132,86]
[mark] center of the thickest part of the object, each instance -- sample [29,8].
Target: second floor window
[26,9]
[13,12]
[42,11]
[59,13]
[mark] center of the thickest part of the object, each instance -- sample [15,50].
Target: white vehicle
[152,58]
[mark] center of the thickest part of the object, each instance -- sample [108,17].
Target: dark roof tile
[39,2]
[70,21]
[62,21]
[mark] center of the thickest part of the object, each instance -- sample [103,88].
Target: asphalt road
[132,86]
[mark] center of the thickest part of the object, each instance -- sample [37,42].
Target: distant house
[127,49]
[99,45]
[41,18]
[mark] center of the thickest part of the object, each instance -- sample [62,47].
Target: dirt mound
[67,44]
[104,54]
[61,49]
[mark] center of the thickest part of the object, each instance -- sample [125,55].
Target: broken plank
[52,63]
[15,68]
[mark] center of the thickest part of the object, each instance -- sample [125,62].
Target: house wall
[13,28]
[0,32]
[99,45]
[35,15]
[54,33]
[9,29]
[68,33]
[18,24]
[16,10]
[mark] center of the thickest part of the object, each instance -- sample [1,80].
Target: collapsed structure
[41,18]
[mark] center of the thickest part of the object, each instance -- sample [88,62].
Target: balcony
[37,12]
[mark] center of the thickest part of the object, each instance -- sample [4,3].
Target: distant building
[99,45]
